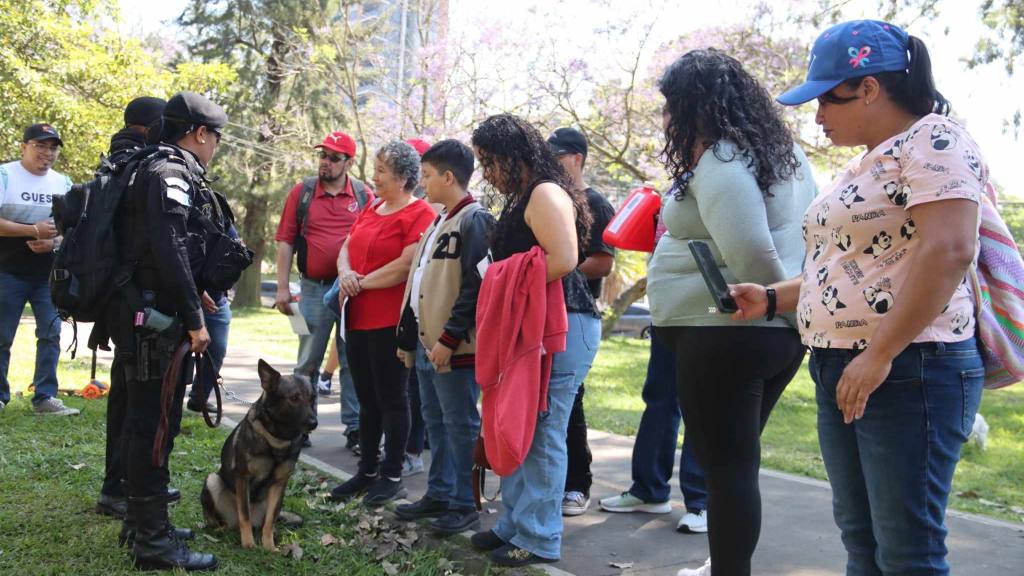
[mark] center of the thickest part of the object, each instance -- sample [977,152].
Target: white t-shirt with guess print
[860,238]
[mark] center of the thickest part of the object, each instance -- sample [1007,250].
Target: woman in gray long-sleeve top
[742,186]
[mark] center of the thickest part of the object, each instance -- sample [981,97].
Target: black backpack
[305,199]
[86,266]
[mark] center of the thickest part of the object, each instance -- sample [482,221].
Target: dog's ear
[269,377]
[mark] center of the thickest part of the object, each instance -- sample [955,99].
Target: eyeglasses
[43,148]
[216,135]
[334,158]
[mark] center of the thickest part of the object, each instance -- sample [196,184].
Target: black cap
[41,132]
[568,141]
[192,108]
[143,111]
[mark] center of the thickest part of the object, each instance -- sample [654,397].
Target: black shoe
[127,536]
[194,405]
[156,545]
[352,441]
[512,556]
[355,486]
[456,521]
[173,495]
[305,441]
[425,507]
[113,506]
[486,541]
[385,490]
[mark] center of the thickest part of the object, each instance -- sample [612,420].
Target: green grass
[51,469]
[264,331]
[986,482]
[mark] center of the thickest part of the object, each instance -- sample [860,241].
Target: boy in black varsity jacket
[437,335]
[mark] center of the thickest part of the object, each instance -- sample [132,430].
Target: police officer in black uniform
[164,227]
[141,123]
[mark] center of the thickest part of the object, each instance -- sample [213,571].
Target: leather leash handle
[167,388]
[198,381]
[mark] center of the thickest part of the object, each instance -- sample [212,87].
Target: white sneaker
[574,503]
[704,570]
[693,522]
[323,385]
[626,502]
[412,465]
[2,405]
[54,407]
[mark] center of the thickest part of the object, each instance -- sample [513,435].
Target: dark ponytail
[914,89]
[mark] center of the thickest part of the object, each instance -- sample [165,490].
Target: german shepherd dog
[259,457]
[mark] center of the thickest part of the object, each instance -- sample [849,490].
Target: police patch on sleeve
[177,190]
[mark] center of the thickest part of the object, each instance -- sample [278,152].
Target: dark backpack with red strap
[305,199]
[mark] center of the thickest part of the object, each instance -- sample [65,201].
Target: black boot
[157,546]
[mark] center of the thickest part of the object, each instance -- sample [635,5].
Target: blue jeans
[217,324]
[349,400]
[15,291]
[452,422]
[655,447]
[891,471]
[532,495]
[312,347]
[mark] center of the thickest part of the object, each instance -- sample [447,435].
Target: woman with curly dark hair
[541,209]
[741,185]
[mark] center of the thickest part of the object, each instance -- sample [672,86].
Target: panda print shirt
[860,237]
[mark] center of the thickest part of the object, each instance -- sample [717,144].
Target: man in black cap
[570,146]
[141,117]
[27,240]
[163,233]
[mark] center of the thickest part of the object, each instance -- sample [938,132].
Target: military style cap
[144,111]
[192,108]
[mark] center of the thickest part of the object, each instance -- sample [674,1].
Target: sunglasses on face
[216,135]
[334,158]
[831,97]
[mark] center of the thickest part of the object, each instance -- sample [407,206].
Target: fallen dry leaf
[389,568]
[77,466]
[328,539]
[293,550]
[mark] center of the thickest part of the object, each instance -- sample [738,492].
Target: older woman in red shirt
[372,267]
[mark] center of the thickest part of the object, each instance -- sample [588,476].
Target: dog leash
[171,379]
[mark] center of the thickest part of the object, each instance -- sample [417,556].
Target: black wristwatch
[770,292]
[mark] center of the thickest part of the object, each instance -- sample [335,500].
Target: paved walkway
[798,536]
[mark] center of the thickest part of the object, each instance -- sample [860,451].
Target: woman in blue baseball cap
[885,299]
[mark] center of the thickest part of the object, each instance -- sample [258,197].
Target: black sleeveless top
[513,236]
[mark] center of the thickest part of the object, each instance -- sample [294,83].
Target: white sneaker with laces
[323,385]
[574,503]
[704,570]
[626,502]
[54,407]
[693,522]
[412,464]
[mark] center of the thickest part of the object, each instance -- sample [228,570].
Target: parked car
[635,322]
[268,292]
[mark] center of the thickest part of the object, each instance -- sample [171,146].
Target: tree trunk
[627,297]
[254,227]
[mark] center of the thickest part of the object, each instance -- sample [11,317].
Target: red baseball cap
[339,142]
[419,144]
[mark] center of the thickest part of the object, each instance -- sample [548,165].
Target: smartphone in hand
[712,276]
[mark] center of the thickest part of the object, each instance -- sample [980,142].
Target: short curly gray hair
[404,162]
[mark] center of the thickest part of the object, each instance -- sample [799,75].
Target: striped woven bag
[999,291]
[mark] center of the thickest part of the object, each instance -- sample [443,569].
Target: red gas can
[632,228]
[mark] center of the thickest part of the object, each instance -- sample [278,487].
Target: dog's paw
[248,543]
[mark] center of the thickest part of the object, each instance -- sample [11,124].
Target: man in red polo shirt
[316,220]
